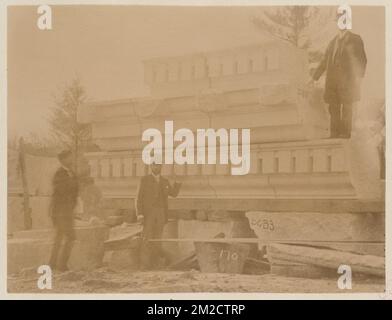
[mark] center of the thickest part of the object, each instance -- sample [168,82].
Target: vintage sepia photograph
[196,149]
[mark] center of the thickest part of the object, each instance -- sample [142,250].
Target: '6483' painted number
[265,224]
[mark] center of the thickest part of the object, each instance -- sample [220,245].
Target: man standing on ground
[152,204]
[344,62]
[64,198]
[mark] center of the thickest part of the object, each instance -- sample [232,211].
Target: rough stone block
[197,229]
[30,249]
[312,226]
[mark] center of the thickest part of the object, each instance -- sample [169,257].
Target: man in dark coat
[152,204]
[344,62]
[64,198]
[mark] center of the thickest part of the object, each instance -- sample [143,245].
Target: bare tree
[65,128]
[294,24]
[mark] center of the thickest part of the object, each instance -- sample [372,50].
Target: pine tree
[65,128]
[294,24]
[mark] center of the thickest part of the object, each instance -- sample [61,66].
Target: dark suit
[152,203]
[65,193]
[344,62]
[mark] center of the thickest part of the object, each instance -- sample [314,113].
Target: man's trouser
[341,119]
[151,252]
[63,229]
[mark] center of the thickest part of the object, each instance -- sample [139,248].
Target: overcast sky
[105,45]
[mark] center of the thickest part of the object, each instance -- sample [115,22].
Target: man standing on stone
[152,204]
[64,198]
[344,62]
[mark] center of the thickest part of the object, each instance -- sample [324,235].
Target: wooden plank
[256,266]
[326,258]
[257,262]
[302,271]
[124,241]
[119,244]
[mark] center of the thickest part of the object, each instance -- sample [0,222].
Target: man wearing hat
[64,198]
[152,204]
[344,63]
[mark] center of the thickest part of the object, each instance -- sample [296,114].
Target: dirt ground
[104,280]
